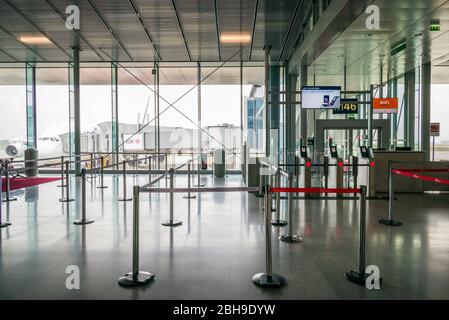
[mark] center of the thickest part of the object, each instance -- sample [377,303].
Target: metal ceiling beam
[77,32]
[145,27]
[253,31]
[8,55]
[217,27]
[101,17]
[290,27]
[36,27]
[22,44]
[390,59]
[298,34]
[181,29]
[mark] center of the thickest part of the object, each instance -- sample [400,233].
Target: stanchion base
[279,223]
[390,223]
[199,185]
[9,200]
[291,239]
[265,281]
[124,200]
[82,222]
[66,200]
[102,187]
[173,223]
[189,197]
[4,225]
[357,277]
[135,280]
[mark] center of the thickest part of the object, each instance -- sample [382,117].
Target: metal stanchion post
[124,184]
[326,172]
[67,187]
[189,195]
[92,168]
[166,166]
[290,237]
[2,223]
[278,222]
[268,279]
[102,186]
[149,169]
[83,219]
[7,186]
[390,221]
[62,185]
[359,277]
[200,163]
[339,175]
[355,172]
[171,222]
[136,278]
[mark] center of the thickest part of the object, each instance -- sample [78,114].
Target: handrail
[281,171]
[166,173]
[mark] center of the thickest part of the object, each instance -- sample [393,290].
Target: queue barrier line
[423,170]
[203,190]
[420,177]
[314,190]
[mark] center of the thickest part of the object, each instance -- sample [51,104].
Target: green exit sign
[435,27]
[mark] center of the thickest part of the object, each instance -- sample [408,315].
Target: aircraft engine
[15,150]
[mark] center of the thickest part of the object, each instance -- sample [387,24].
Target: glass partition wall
[181,110]
[174,109]
[13,132]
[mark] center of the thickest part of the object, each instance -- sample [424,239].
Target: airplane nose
[11,150]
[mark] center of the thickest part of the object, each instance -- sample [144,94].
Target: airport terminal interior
[224,149]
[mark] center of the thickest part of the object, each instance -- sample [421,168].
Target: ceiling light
[34,39]
[235,37]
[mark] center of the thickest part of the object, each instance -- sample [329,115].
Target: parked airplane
[47,147]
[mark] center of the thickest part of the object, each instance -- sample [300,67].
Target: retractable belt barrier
[359,276]
[314,190]
[3,224]
[410,173]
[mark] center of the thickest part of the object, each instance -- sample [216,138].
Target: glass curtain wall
[13,109]
[95,108]
[136,107]
[52,111]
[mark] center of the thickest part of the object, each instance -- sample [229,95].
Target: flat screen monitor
[320,97]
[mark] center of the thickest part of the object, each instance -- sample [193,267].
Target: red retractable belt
[313,190]
[417,176]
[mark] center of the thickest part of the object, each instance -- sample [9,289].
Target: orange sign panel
[385,105]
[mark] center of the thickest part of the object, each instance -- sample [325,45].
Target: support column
[76,109]
[370,118]
[393,85]
[241,109]
[114,113]
[30,75]
[426,83]
[199,126]
[275,111]
[409,115]
[267,50]
[290,117]
[303,80]
[157,131]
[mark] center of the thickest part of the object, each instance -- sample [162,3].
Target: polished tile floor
[220,245]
